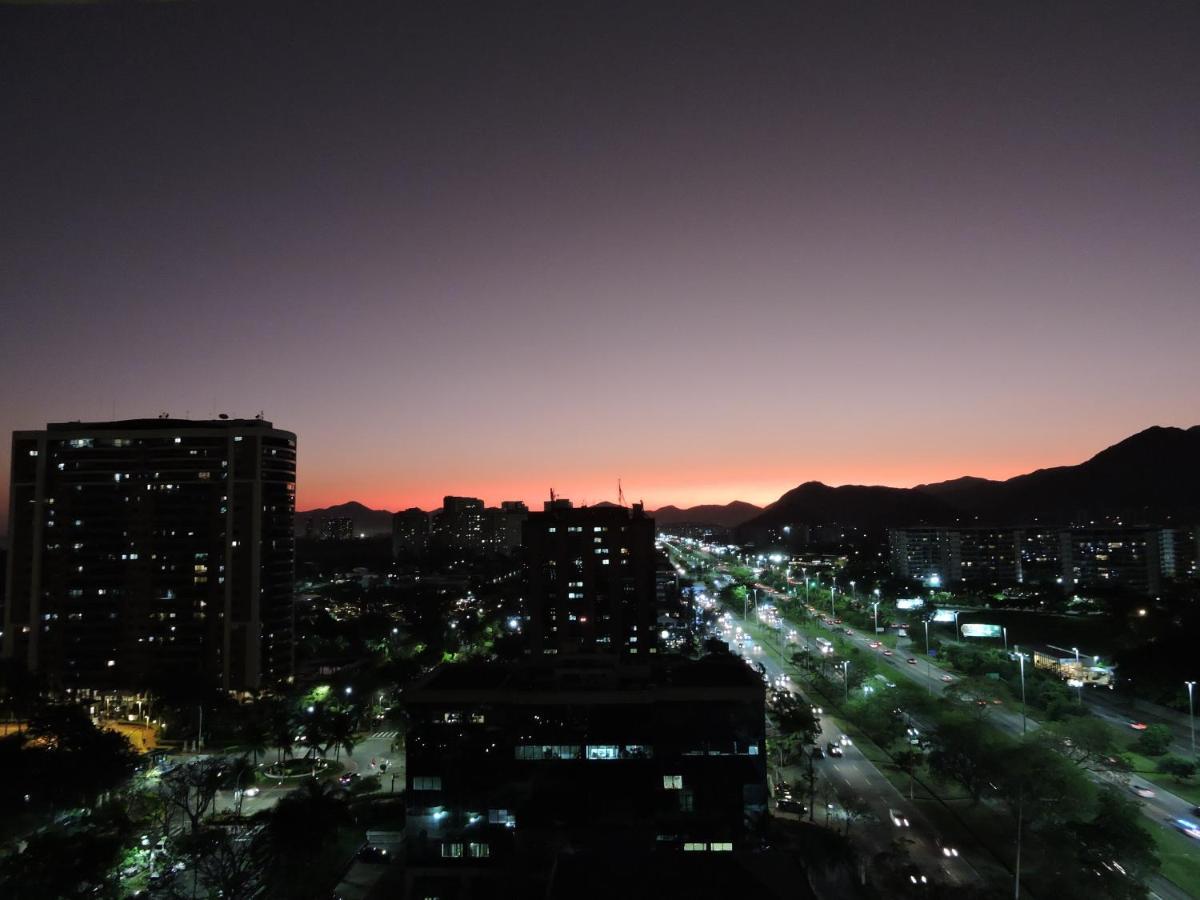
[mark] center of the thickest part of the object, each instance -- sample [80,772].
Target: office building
[591,585]
[512,767]
[152,549]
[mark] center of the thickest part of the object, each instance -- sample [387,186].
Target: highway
[1162,808]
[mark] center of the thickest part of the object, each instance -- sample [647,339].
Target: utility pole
[1191,715]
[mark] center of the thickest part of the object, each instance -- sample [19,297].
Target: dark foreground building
[511,767]
[591,585]
[148,550]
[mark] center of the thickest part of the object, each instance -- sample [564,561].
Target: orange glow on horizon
[673,490]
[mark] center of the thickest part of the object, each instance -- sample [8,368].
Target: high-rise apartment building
[459,525]
[1119,556]
[591,580]
[152,549]
[410,533]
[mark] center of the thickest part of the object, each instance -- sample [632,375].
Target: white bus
[824,646]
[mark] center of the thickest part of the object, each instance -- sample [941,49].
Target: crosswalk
[386,734]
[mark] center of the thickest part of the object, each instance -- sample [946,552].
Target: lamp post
[846,676]
[1021,660]
[1005,630]
[853,592]
[1191,715]
[875,608]
[928,667]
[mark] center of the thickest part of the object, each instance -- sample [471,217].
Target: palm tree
[342,726]
[281,727]
[254,734]
[298,829]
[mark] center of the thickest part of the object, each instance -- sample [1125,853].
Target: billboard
[944,615]
[982,631]
[910,603]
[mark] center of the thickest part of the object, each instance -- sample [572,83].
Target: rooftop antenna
[620,494]
[551,496]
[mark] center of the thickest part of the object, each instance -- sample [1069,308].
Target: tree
[192,787]
[965,753]
[254,733]
[231,859]
[1048,788]
[341,729]
[908,761]
[1154,741]
[1078,859]
[794,717]
[1086,741]
[1178,768]
[298,828]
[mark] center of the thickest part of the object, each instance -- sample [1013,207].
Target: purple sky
[713,250]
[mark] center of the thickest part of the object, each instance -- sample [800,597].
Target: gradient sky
[712,249]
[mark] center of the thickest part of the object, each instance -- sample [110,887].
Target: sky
[711,250]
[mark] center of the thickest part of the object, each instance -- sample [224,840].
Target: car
[888,653]
[371,853]
[817,753]
[874,645]
[835,749]
[898,818]
[1141,791]
[845,741]
[1138,726]
[949,852]
[347,778]
[996,701]
[816,710]
[837,621]
[912,661]
[1188,827]
[251,792]
[789,805]
[947,679]
[1196,810]
[848,631]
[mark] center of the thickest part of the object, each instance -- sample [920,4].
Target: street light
[1191,715]
[832,592]
[1021,660]
[1005,630]
[853,592]
[928,667]
[846,676]
[875,607]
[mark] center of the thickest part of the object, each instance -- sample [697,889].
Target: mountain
[371,522]
[814,503]
[730,515]
[1152,476]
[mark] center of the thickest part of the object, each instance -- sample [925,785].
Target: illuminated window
[695,845]
[719,846]
[479,851]
[452,850]
[673,782]
[427,782]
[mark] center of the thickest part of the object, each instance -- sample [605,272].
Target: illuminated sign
[944,615]
[982,631]
[910,603]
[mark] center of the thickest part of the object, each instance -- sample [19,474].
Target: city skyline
[497,254]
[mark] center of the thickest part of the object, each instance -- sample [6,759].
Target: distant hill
[728,516]
[814,503]
[370,522]
[1152,476]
